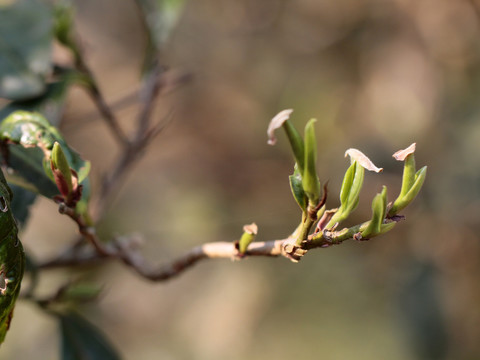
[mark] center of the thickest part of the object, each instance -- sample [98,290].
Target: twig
[214,250]
[141,140]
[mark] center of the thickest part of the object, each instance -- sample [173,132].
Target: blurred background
[378,75]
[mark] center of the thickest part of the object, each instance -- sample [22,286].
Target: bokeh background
[378,75]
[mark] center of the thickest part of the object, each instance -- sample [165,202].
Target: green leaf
[81,340]
[29,173]
[25,42]
[347,183]
[349,193]
[29,155]
[50,103]
[297,189]
[310,182]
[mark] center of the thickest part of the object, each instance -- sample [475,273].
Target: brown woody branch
[214,250]
[125,250]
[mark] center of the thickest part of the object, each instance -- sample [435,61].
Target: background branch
[97,97]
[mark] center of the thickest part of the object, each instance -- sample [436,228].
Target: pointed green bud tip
[61,169]
[296,143]
[248,236]
[276,123]
[310,182]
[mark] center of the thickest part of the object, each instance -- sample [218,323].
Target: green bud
[379,205]
[248,236]
[408,174]
[347,183]
[354,194]
[61,169]
[296,142]
[349,193]
[411,183]
[403,201]
[310,182]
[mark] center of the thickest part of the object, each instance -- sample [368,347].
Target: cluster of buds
[306,190]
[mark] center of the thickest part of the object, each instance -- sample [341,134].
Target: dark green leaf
[12,259]
[29,173]
[81,340]
[297,190]
[25,40]
[21,203]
